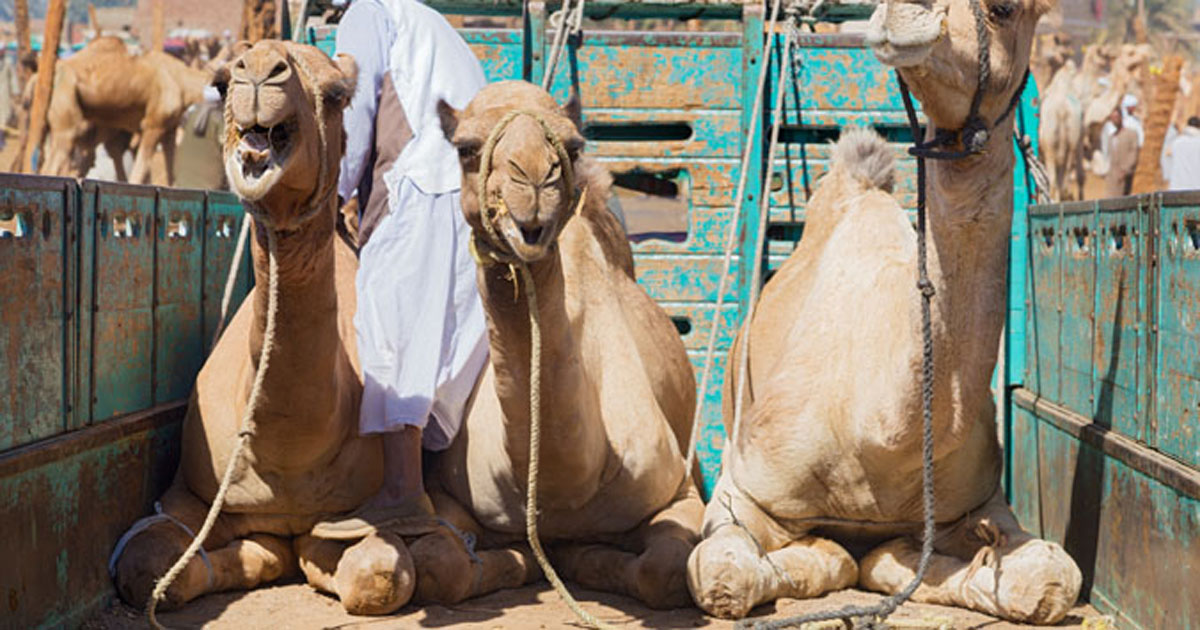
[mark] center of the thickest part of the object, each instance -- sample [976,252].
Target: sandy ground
[537,606]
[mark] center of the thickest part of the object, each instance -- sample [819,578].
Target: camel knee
[445,571]
[723,576]
[264,558]
[1038,583]
[375,576]
[147,557]
[660,574]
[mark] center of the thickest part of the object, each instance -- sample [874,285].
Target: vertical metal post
[752,43]
[534,42]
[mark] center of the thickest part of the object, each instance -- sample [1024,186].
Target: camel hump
[865,156]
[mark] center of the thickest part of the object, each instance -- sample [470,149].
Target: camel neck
[969,221]
[306,338]
[565,425]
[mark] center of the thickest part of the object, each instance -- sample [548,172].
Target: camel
[305,460]
[104,94]
[824,474]
[618,510]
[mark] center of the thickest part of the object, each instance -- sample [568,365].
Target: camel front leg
[150,137]
[116,144]
[449,572]
[747,559]
[984,562]
[167,175]
[657,573]
[373,576]
[228,563]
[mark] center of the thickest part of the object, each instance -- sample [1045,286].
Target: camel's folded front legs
[373,576]
[748,559]
[985,562]
[236,563]
[656,574]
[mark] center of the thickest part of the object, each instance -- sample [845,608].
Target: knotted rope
[498,251]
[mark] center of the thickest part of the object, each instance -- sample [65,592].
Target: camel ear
[449,119]
[340,90]
[220,79]
[574,110]
[1042,7]
[239,47]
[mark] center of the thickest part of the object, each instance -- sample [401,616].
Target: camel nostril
[531,236]
[278,70]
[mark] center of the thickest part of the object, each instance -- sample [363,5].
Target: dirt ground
[298,606]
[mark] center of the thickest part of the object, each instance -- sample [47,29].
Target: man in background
[1122,156]
[1184,171]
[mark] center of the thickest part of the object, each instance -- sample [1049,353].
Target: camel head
[283,124]
[528,190]
[935,45]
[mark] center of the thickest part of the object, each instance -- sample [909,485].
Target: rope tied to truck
[495,250]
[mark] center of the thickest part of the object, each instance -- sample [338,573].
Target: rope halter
[493,206]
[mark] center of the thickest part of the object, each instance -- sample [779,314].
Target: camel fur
[618,511]
[305,460]
[825,474]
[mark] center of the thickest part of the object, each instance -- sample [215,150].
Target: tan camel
[618,512]
[829,454]
[1062,142]
[104,93]
[305,460]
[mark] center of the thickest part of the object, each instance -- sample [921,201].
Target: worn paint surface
[1043,333]
[38,219]
[1178,286]
[1136,539]
[1116,350]
[179,344]
[64,503]
[1078,269]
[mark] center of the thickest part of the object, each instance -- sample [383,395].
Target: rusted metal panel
[1128,516]
[662,133]
[1026,470]
[38,241]
[1117,352]
[122,297]
[499,51]
[65,501]
[675,74]
[1044,332]
[1177,386]
[685,278]
[222,222]
[1078,306]
[178,289]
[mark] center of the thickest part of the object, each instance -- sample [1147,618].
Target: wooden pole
[160,34]
[45,81]
[24,46]
[95,23]
[1148,175]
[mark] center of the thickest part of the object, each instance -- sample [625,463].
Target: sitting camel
[829,455]
[104,94]
[305,459]
[618,510]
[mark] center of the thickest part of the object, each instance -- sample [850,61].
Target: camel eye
[1001,11]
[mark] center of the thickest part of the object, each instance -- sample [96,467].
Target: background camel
[283,115]
[618,511]
[827,462]
[105,94]
[1061,131]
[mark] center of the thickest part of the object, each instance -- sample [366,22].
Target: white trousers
[422,335]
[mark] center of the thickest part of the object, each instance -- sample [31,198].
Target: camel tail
[864,155]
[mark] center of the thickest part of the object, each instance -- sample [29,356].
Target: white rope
[730,239]
[764,213]
[235,266]
[567,18]
[244,434]
[142,525]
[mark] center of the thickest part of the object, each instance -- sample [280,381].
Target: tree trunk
[45,81]
[24,46]
[1148,176]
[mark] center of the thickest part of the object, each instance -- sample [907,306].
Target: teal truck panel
[222,223]
[1078,304]
[179,344]
[1044,329]
[1177,386]
[38,240]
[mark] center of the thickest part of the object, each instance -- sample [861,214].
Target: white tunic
[422,336]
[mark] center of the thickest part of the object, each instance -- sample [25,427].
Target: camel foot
[375,576]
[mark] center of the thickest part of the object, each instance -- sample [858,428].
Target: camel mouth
[530,243]
[903,34]
[259,157]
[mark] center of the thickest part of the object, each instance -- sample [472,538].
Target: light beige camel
[618,512]
[1062,142]
[305,459]
[104,94]
[828,458]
